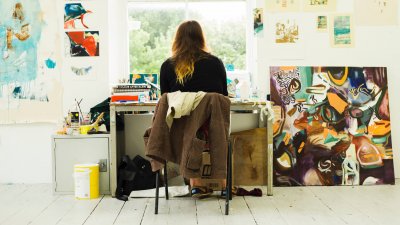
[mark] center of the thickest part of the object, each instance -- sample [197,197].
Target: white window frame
[250,40]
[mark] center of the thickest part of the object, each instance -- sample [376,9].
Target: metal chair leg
[228,195]
[157,185]
[166,181]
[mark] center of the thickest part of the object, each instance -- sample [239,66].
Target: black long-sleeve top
[209,76]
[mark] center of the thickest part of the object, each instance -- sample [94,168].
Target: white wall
[30,143]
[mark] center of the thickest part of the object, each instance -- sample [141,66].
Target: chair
[228,195]
[215,113]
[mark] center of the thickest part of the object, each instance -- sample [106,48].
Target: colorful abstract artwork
[143,78]
[147,78]
[74,16]
[342,31]
[20,32]
[28,62]
[82,43]
[332,126]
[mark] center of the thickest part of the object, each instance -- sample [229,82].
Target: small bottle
[254,93]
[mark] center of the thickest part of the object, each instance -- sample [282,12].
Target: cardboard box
[249,157]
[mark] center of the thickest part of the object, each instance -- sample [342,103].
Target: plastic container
[244,91]
[86,178]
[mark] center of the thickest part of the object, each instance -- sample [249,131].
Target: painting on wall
[319,5]
[258,21]
[29,74]
[322,23]
[147,78]
[80,15]
[342,32]
[332,126]
[376,12]
[283,5]
[82,43]
[77,69]
[286,31]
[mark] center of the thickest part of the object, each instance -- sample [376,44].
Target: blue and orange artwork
[143,78]
[147,78]
[74,12]
[20,32]
[332,126]
[83,43]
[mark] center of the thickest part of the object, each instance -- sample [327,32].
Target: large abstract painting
[332,126]
[29,75]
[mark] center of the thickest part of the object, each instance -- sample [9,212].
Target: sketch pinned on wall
[376,12]
[286,31]
[322,23]
[258,21]
[332,126]
[76,69]
[342,31]
[282,5]
[81,71]
[286,37]
[82,43]
[29,79]
[319,5]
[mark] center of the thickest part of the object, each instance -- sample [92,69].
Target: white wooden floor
[35,204]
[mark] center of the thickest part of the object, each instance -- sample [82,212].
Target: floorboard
[35,204]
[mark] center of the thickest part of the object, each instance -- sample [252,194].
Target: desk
[132,107]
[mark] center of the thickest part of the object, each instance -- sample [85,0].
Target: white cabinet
[81,149]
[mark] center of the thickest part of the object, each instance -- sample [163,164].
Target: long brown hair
[189,46]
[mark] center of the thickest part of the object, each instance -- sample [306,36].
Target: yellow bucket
[86,181]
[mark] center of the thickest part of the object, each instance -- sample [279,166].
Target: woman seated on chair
[192,68]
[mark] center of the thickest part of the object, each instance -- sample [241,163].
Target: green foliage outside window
[150,45]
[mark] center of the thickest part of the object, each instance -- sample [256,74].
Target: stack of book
[130,92]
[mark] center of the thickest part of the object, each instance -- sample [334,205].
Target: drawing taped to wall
[342,34]
[322,23]
[81,71]
[82,43]
[75,15]
[282,5]
[286,31]
[319,5]
[376,12]
[29,78]
[332,126]
[77,69]
[258,21]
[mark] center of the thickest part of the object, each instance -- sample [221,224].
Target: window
[152,26]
